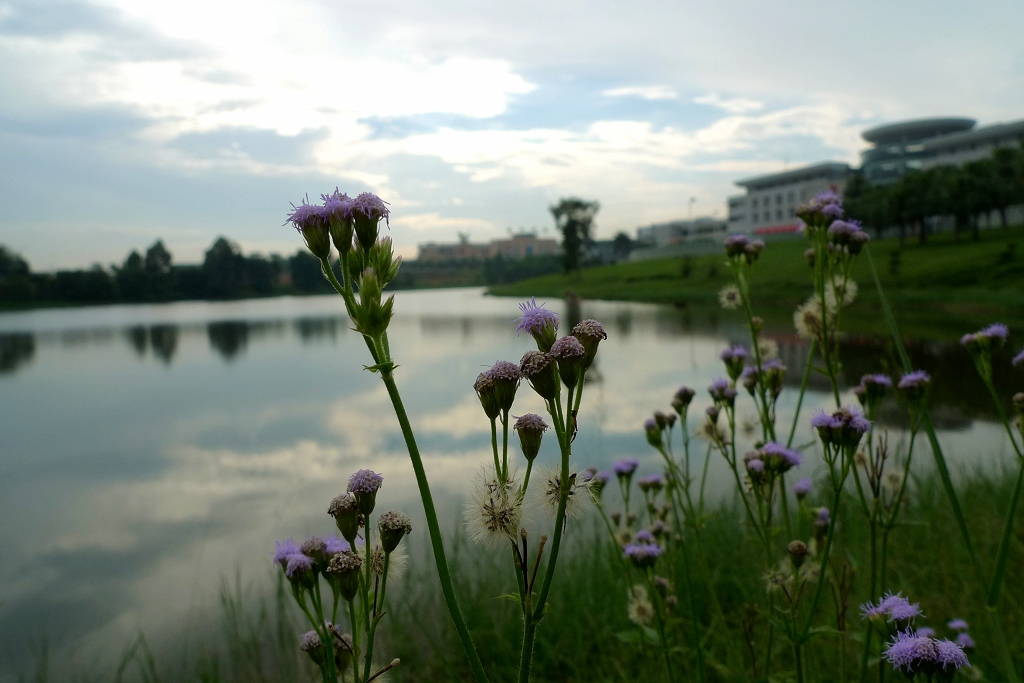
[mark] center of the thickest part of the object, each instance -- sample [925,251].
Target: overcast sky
[128,120]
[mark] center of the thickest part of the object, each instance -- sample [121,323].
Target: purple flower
[993,336]
[298,566]
[530,422]
[568,348]
[892,607]
[840,231]
[965,641]
[737,352]
[832,210]
[504,370]
[1018,360]
[685,394]
[371,206]
[285,549]
[536,318]
[958,625]
[918,379]
[650,425]
[644,536]
[306,215]
[337,205]
[642,554]
[735,245]
[778,457]
[755,465]
[626,466]
[802,487]
[652,482]
[365,481]
[925,632]
[878,380]
[843,428]
[334,545]
[721,391]
[996,330]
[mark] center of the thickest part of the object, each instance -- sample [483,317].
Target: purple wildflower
[958,625]
[925,632]
[755,465]
[504,370]
[733,353]
[285,549]
[1018,360]
[626,466]
[652,482]
[893,607]
[778,457]
[802,487]
[642,554]
[306,215]
[365,481]
[878,380]
[371,206]
[536,318]
[918,379]
[722,392]
[965,641]
[337,205]
[993,336]
[334,545]
[735,245]
[298,566]
[644,536]
[568,348]
[840,231]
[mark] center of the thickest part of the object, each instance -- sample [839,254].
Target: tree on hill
[574,218]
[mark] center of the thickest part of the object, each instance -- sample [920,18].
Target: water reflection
[164,341]
[228,338]
[16,350]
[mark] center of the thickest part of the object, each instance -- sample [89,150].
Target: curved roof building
[901,147]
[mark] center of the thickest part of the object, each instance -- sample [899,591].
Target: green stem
[376,619]
[803,390]
[1004,543]
[434,531]
[504,445]
[526,655]
[355,640]
[494,447]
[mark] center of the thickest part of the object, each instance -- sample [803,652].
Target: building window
[778,214]
[778,199]
[754,216]
[754,203]
[792,196]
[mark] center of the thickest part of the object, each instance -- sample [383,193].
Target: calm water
[148,452]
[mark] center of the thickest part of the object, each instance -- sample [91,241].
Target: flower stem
[434,530]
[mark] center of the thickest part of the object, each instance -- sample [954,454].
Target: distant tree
[224,270]
[622,246]
[574,218]
[160,272]
[132,280]
[16,284]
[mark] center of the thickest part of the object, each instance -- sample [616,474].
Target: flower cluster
[911,653]
[842,428]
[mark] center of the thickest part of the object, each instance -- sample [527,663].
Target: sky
[126,121]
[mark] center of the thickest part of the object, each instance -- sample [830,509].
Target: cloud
[644,92]
[736,105]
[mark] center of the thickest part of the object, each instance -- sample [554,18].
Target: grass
[975,282]
[586,635]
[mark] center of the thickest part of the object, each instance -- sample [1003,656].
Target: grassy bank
[586,635]
[972,281]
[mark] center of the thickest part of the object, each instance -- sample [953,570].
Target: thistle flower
[965,641]
[735,245]
[625,467]
[958,625]
[569,353]
[539,322]
[311,222]
[393,527]
[541,371]
[495,512]
[367,210]
[892,607]
[681,400]
[730,297]
[639,607]
[652,483]
[284,550]
[734,357]
[531,428]
[485,391]
[913,654]
[590,333]
[364,485]
[346,515]
[504,376]
[642,555]
[344,571]
[721,392]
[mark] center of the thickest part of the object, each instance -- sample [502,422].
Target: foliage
[574,218]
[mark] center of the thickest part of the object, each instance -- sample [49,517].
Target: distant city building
[769,206]
[516,247]
[677,232]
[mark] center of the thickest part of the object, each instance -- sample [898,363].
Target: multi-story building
[517,246]
[769,206]
[677,232]
[898,148]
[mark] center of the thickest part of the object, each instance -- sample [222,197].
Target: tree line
[967,193]
[227,273]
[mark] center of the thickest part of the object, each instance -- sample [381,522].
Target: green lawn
[967,281]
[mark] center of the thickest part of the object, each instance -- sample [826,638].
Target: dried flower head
[548,494]
[639,607]
[730,298]
[495,512]
[393,527]
[540,370]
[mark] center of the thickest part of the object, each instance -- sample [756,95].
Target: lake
[151,451]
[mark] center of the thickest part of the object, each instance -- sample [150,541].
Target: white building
[769,205]
[678,232]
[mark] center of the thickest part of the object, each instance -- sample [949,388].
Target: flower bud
[338,209]
[505,377]
[383,261]
[540,370]
[569,353]
[797,553]
[346,515]
[311,223]
[344,570]
[653,433]
[311,645]
[370,315]
[393,527]
[484,388]
[531,428]
[681,401]
[364,485]
[367,210]
[590,333]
